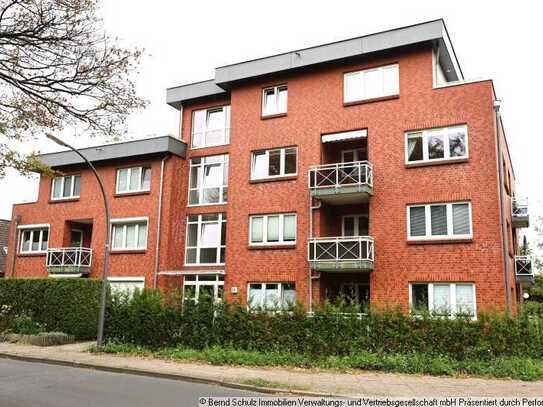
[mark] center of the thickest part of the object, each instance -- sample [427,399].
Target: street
[25,384]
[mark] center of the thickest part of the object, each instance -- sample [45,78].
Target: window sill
[272,247]
[436,162]
[440,241]
[63,200]
[373,100]
[136,193]
[273,179]
[210,146]
[273,116]
[128,251]
[38,254]
[206,204]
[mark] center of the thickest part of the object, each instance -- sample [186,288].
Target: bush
[66,305]
[150,320]
[24,324]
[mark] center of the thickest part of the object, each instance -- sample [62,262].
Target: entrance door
[76,238]
[358,154]
[355,225]
[356,293]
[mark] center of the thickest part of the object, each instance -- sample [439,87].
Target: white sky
[186,40]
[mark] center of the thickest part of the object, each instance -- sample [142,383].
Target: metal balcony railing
[519,206]
[523,266]
[356,173]
[69,260]
[352,252]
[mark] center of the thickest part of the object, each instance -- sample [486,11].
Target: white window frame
[130,169]
[281,241]
[452,288]
[282,163]
[356,223]
[276,90]
[226,129]
[218,282]
[125,222]
[61,180]
[428,222]
[32,229]
[198,246]
[136,280]
[200,182]
[280,290]
[364,72]
[425,134]
[355,152]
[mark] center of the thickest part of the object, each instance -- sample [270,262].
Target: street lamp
[102,316]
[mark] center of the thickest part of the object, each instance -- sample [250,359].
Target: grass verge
[516,368]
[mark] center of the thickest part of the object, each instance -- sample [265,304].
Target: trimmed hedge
[152,321]
[65,305]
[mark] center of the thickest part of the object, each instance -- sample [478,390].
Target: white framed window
[439,221]
[66,187]
[274,100]
[435,145]
[208,180]
[274,163]
[275,229]
[447,299]
[126,285]
[371,83]
[34,239]
[355,225]
[134,179]
[206,239]
[271,296]
[129,234]
[201,286]
[210,127]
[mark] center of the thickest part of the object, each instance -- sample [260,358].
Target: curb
[170,376]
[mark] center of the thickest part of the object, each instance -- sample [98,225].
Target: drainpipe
[15,249]
[310,280]
[505,237]
[159,221]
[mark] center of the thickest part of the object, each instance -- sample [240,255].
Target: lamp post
[102,316]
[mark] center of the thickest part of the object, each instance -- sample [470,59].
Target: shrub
[24,324]
[66,305]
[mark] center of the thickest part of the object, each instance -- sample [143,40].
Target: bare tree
[58,68]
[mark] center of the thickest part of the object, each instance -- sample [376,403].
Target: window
[274,100]
[129,234]
[135,179]
[443,298]
[439,221]
[126,285]
[34,240]
[206,239]
[271,296]
[280,162]
[198,287]
[273,229]
[208,180]
[211,127]
[66,187]
[445,143]
[371,83]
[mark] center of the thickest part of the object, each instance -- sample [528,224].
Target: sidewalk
[300,381]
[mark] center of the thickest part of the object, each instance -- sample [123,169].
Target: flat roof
[432,31]
[116,151]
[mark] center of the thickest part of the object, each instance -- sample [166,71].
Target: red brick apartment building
[367,167]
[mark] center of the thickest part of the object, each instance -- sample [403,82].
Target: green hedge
[66,305]
[149,320]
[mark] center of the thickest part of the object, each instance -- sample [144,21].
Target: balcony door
[358,154]
[356,293]
[355,225]
[76,238]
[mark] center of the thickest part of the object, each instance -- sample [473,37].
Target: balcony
[524,270]
[352,253]
[69,260]
[342,183]
[520,215]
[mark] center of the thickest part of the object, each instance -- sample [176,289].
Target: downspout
[505,242]
[15,249]
[159,220]
[310,280]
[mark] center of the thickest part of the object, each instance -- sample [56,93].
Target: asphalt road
[29,384]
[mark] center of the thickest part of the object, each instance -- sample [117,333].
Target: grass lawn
[515,368]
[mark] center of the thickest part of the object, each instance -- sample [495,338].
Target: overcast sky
[186,40]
